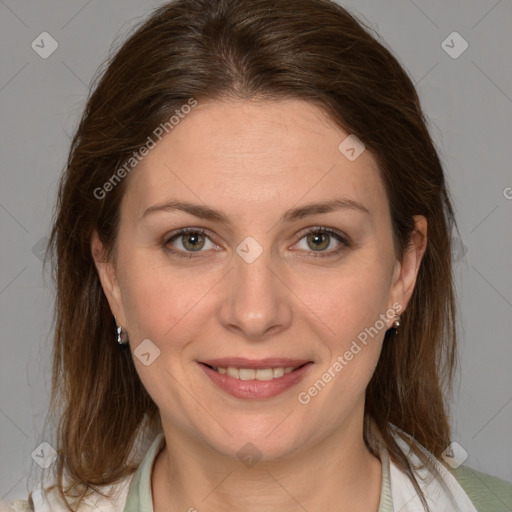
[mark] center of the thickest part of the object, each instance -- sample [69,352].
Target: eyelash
[315,230]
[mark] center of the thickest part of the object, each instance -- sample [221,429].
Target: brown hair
[271,49]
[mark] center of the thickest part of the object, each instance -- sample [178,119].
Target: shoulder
[42,500]
[487,492]
[464,488]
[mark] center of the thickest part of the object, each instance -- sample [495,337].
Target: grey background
[468,102]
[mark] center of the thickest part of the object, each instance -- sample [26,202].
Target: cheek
[352,310]
[161,303]
[346,299]
[364,297]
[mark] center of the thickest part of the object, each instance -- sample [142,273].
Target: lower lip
[256,389]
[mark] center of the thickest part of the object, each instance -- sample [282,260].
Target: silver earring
[122,337]
[396,323]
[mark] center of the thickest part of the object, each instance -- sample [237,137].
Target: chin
[263,440]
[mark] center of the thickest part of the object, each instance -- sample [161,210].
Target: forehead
[254,155]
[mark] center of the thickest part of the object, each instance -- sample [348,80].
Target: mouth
[252,379]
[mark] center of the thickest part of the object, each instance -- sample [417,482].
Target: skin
[254,161]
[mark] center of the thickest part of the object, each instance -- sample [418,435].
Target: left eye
[320,239]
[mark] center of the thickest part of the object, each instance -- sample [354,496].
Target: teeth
[254,374]
[246,374]
[262,374]
[278,372]
[233,372]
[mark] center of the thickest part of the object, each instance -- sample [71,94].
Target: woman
[253,206]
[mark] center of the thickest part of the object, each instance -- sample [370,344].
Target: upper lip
[242,362]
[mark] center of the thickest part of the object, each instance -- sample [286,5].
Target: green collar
[140,497]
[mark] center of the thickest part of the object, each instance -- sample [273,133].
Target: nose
[257,303]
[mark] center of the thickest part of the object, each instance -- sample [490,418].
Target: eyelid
[324,229]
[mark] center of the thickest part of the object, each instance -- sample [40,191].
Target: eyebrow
[207,213]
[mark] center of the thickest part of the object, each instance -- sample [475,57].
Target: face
[264,321]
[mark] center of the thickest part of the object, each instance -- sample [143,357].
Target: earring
[122,337]
[396,323]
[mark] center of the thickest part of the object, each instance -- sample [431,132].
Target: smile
[255,380]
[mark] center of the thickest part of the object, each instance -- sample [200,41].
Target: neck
[338,473]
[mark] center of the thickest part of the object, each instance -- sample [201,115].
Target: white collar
[442,492]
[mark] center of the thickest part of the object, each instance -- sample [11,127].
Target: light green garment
[488,493]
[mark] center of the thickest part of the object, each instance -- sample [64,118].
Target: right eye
[190,239]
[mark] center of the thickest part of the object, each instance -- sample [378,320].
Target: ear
[107,274]
[406,271]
